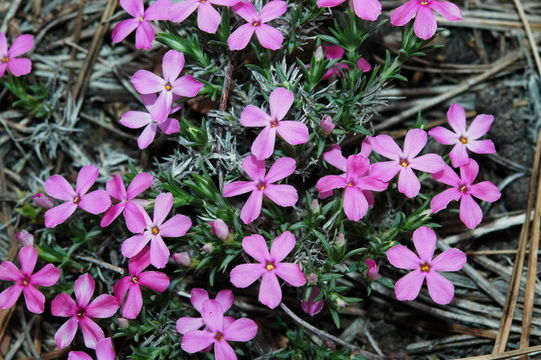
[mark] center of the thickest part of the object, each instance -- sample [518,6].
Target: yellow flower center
[424,3]
[155,230]
[219,336]
[463,140]
[269,266]
[425,267]
[404,163]
[77,199]
[256,23]
[140,19]
[463,188]
[5,59]
[25,282]
[168,87]
[135,279]
[81,313]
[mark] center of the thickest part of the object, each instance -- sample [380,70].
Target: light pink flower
[81,311]
[220,229]
[425,25]
[9,57]
[268,36]
[26,282]
[365,9]
[310,306]
[424,267]
[144,31]
[127,203]
[104,351]
[372,270]
[292,132]
[25,238]
[146,82]
[357,181]
[156,230]
[42,200]
[263,185]
[218,333]
[327,125]
[464,139]
[198,297]
[333,52]
[465,190]
[208,19]
[269,267]
[58,187]
[131,285]
[404,161]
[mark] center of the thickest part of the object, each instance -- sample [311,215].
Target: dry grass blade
[528,29]
[505,355]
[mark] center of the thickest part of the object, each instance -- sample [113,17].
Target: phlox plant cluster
[280,218]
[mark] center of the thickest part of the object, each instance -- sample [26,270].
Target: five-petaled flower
[424,267]
[208,19]
[425,25]
[269,267]
[9,57]
[463,138]
[104,351]
[58,187]
[404,161]
[25,281]
[155,230]
[131,284]
[268,36]
[357,181]
[293,132]
[81,313]
[146,82]
[365,9]
[198,296]
[263,185]
[465,190]
[218,332]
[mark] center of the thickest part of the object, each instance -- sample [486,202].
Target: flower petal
[65,334]
[330,182]
[385,170]
[95,202]
[479,126]
[136,217]
[123,29]
[485,191]
[371,183]
[104,306]
[281,100]
[246,10]
[162,206]
[281,169]
[293,132]
[144,35]
[134,303]
[481,146]
[403,258]
[256,246]
[252,116]
[92,332]
[263,145]
[404,13]
[282,245]
[329,3]
[424,239]
[21,45]
[269,37]
[59,188]
[238,188]
[448,10]
[270,293]
[35,300]
[244,275]
[208,19]
[115,188]
[386,146]
[104,350]
[291,273]
[78,355]
[177,226]
[456,116]
[282,195]
[169,126]
[10,272]
[172,64]
[9,297]
[459,155]
[121,287]
[241,330]
[430,163]
[447,176]
[443,199]
[63,305]
[111,214]
[335,158]
[254,168]
[19,66]
[469,172]
[240,38]
[470,212]
[146,82]
[133,7]
[179,11]
[367,9]
[425,25]
[198,297]
[154,280]
[443,136]
[408,286]
[225,298]
[28,256]
[414,142]
[159,253]
[252,208]
[408,183]
[46,276]
[84,289]
[135,119]
[213,315]
[449,260]
[187,86]
[196,340]
[354,203]
[440,289]
[272,10]
[59,214]
[185,324]
[86,178]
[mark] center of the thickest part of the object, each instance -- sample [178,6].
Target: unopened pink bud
[208,248]
[327,126]
[220,229]
[25,238]
[311,279]
[122,322]
[42,200]
[182,258]
[364,65]
[340,240]
[372,272]
[314,206]
[319,54]
[310,306]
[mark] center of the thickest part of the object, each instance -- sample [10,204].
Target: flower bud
[340,240]
[220,229]
[372,272]
[364,65]
[338,301]
[327,125]
[182,258]
[122,322]
[42,200]
[208,248]
[314,206]
[310,306]
[319,54]
[311,279]
[25,238]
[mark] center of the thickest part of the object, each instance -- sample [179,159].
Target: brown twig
[529,34]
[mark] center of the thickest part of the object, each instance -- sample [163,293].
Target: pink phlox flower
[364,65]
[425,25]
[26,281]
[269,267]
[127,203]
[262,185]
[146,82]
[372,269]
[58,187]
[292,132]
[463,138]
[465,190]
[25,238]
[268,36]
[104,351]
[365,9]
[357,181]
[424,267]
[131,284]
[9,57]
[42,200]
[140,22]
[218,333]
[81,313]
[198,297]
[219,229]
[155,230]
[310,306]
[208,19]
[404,161]
[333,52]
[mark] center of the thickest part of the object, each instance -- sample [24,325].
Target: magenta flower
[404,161]
[268,36]
[327,125]
[208,19]
[424,267]
[365,9]
[81,313]
[144,31]
[58,187]
[364,65]
[146,82]
[357,181]
[425,25]
[310,306]
[131,285]
[333,52]
[372,270]
[198,297]
[42,200]
[464,190]
[26,282]
[9,58]
[464,139]
[269,267]
[218,333]
[219,229]
[104,351]
[127,203]
[263,185]
[293,132]
[156,230]
[25,238]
